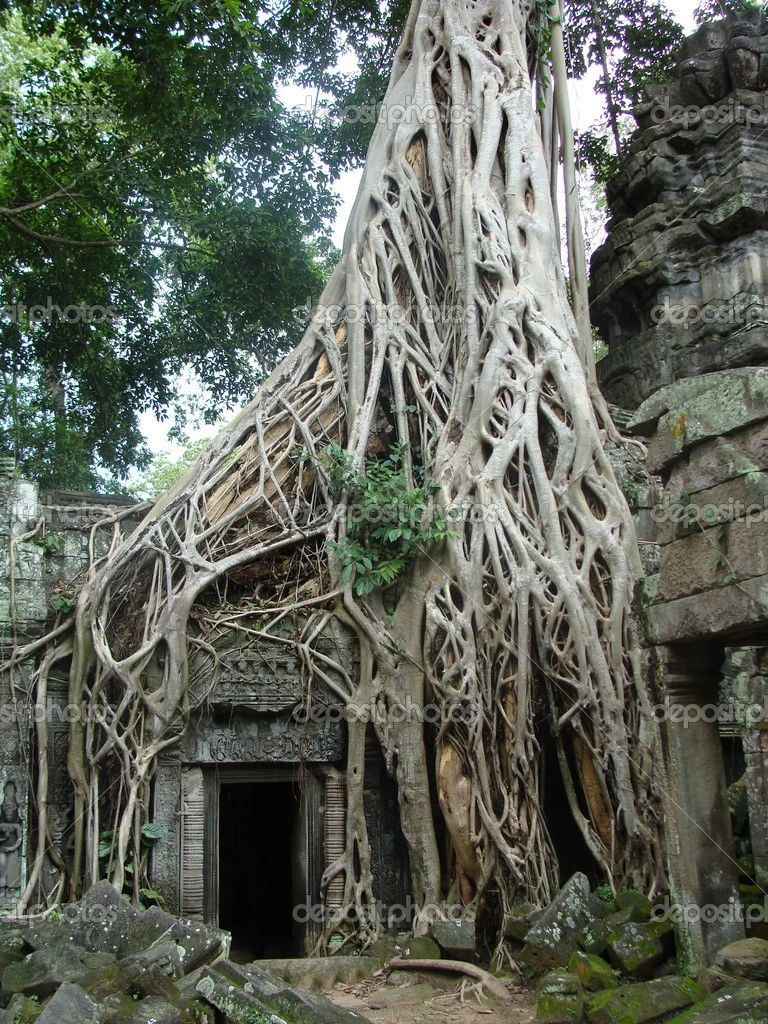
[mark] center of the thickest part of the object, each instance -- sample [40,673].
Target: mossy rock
[636,903]
[420,948]
[745,958]
[595,936]
[645,1001]
[745,1002]
[560,999]
[8,957]
[559,1008]
[387,946]
[639,948]
[22,1010]
[12,941]
[592,971]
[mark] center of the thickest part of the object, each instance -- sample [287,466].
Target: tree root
[486,981]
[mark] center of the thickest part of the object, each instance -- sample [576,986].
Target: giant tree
[443,375]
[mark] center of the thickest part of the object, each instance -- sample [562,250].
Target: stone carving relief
[11,837]
[241,740]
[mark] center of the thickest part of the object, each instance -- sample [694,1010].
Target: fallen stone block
[104,921]
[520,921]
[146,929]
[70,1005]
[152,1008]
[12,939]
[747,958]
[637,949]
[323,972]
[636,903]
[20,1010]
[644,1001]
[195,1009]
[553,938]
[456,939]
[592,971]
[420,947]
[560,999]
[164,955]
[132,977]
[198,944]
[245,994]
[8,957]
[100,922]
[743,1003]
[594,936]
[44,970]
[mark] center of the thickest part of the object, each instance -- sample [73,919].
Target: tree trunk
[445,330]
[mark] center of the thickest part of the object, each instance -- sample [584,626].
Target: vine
[387,521]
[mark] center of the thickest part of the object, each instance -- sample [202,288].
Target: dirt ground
[407,998]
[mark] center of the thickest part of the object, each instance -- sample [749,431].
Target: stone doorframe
[307,852]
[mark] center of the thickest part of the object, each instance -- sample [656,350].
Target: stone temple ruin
[679,293]
[255,742]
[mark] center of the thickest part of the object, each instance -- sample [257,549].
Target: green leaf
[151,832]
[153,894]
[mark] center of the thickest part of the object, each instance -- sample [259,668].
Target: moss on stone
[592,971]
[645,1001]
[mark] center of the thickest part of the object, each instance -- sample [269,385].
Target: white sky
[586,108]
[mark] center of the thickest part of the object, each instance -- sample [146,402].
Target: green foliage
[163,471]
[63,603]
[540,22]
[161,215]
[151,834]
[51,543]
[640,38]
[712,10]
[388,521]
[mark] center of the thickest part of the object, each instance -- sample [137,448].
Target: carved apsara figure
[11,836]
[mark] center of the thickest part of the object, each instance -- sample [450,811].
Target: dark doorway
[570,848]
[257,826]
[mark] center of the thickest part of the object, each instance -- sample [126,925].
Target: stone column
[750,691]
[19,508]
[702,863]
[165,867]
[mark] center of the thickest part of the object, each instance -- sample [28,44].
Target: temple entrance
[257,834]
[264,843]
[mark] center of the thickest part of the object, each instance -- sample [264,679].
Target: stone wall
[258,718]
[44,546]
[680,287]
[680,294]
